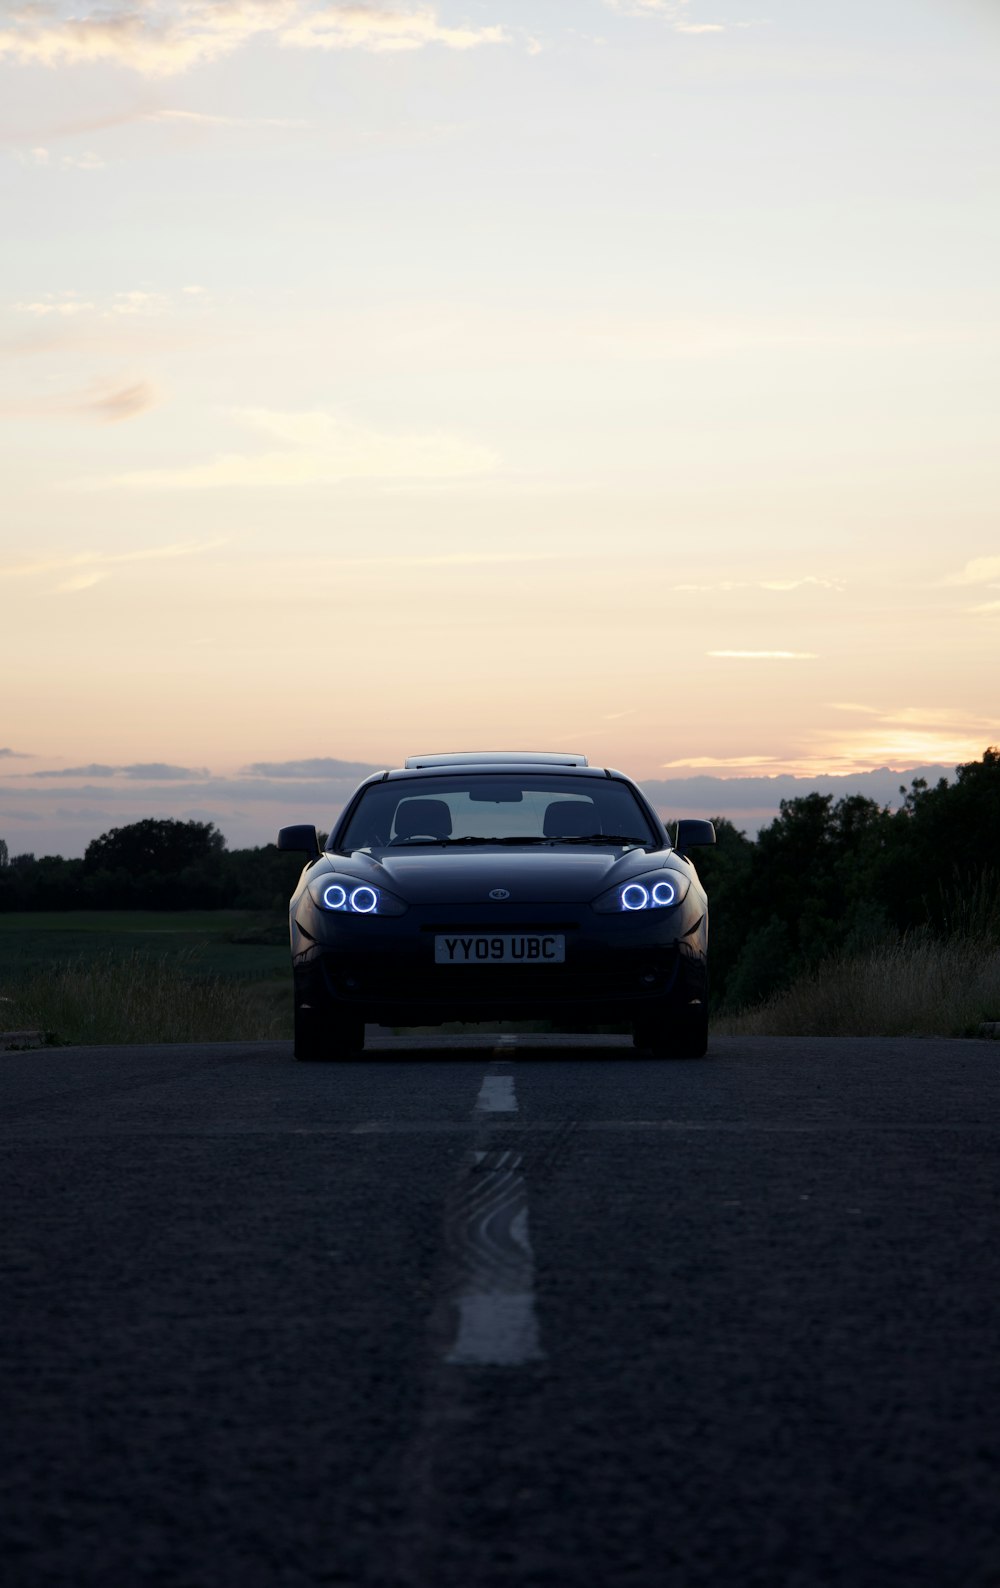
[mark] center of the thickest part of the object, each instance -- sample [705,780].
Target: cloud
[755,800]
[903,735]
[981,570]
[317,766]
[204,119]
[766,656]
[67,305]
[106,407]
[125,403]
[672,12]
[89,160]
[903,746]
[139,771]
[64,814]
[81,581]
[452,559]
[94,565]
[722,760]
[780,585]
[935,717]
[162,37]
[317,449]
[139,303]
[713,337]
[357,26]
[7,754]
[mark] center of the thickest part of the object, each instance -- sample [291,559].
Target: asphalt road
[471,1316]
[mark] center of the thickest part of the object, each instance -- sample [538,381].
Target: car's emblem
[499,893]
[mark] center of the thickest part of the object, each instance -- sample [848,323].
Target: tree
[813,882]
[943,870]
[162,846]
[724,869]
[3,852]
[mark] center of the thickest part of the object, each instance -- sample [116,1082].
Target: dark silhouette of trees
[154,845]
[157,864]
[153,865]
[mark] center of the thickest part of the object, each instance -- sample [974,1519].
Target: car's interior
[509,809]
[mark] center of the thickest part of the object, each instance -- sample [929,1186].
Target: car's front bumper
[383,969]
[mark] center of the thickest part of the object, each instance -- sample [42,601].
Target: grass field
[227,942]
[145,976]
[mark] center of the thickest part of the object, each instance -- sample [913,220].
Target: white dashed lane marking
[496,1095]
[486,1227]
[488,1233]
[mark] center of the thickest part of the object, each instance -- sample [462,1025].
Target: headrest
[570,819]
[414,817]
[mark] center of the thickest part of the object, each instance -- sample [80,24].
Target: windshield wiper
[434,843]
[517,840]
[616,840]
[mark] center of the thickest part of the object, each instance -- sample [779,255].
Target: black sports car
[489,887]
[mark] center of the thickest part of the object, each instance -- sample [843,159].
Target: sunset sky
[611,375]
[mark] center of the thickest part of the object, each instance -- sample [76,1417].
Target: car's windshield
[496,808]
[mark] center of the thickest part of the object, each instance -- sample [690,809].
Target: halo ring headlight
[334,897]
[364,900]
[652,890]
[634,897]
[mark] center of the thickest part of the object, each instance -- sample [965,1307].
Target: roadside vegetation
[847,918]
[916,987]
[136,997]
[145,975]
[840,918]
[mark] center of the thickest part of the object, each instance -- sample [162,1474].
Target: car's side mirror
[303,839]
[691,833]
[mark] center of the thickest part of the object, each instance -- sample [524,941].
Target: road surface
[511,1312]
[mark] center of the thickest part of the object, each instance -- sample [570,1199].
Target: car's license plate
[502,948]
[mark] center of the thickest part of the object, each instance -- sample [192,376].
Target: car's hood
[449,876]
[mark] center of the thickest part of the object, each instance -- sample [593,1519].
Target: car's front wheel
[678,1031]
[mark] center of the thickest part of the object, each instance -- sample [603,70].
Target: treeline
[152,865]
[830,878]
[824,878]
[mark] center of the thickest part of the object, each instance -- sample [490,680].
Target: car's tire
[680,1031]
[325,1035]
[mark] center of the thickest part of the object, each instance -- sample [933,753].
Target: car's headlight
[655,890]
[339,895]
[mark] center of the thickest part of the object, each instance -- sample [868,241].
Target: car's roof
[493,762]
[491,758]
[495,765]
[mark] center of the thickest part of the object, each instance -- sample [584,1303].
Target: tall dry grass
[141,998]
[916,987]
